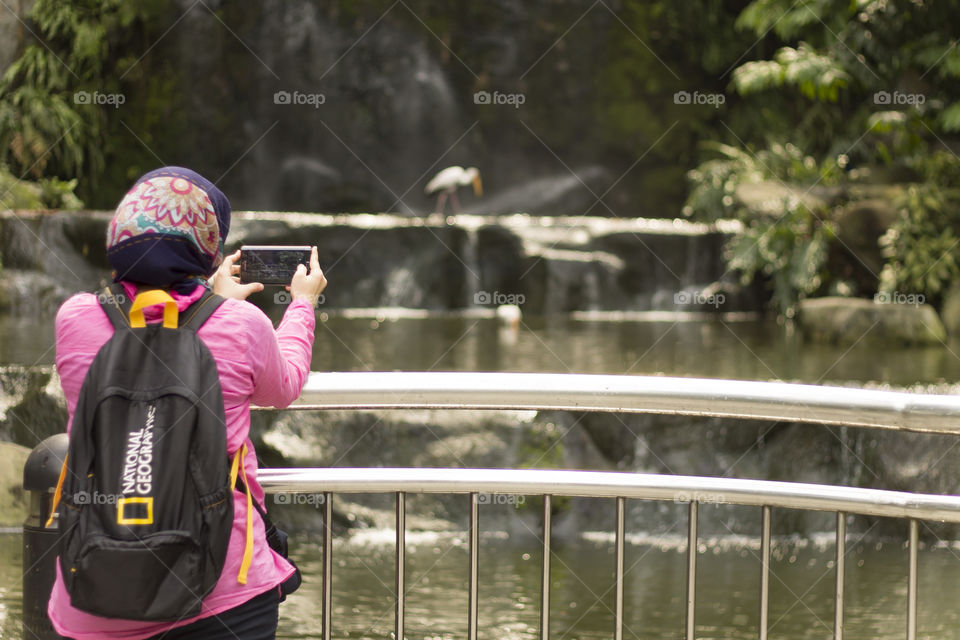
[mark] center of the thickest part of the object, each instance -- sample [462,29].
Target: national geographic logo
[136,505]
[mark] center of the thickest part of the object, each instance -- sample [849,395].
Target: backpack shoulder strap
[200,311]
[239,472]
[114,302]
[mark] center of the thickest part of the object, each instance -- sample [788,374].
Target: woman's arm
[81,329]
[281,359]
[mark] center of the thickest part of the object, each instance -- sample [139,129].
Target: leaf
[887,121]
[950,118]
[753,77]
[942,56]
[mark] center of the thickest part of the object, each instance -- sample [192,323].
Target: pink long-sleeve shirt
[256,364]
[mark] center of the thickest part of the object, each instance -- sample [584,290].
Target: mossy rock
[13,500]
[29,293]
[838,320]
[32,406]
[951,312]
[48,193]
[768,198]
[857,256]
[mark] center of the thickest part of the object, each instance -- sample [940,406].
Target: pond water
[582,604]
[583,596]
[667,344]
[644,344]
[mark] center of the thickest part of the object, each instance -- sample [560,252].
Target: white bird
[449,180]
[509,315]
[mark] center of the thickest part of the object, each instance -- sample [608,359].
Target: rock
[883,176]
[951,311]
[13,501]
[887,191]
[66,246]
[856,256]
[481,439]
[436,262]
[846,321]
[30,293]
[32,406]
[13,31]
[565,192]
[769,197]
[395,438]
[562,280]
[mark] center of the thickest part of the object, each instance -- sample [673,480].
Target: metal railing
[633,394]
[688,396]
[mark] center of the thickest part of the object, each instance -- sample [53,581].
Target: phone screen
[271,264]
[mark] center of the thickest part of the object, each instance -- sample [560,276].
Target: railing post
[327,607]
[474,535]
[765,575]
[692,571]
[841,575]
[618,630]
[401,557]
[545,577]
[622,486]
[912,582]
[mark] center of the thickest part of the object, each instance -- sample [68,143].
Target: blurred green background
[792,116]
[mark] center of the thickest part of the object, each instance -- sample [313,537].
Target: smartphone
[271,264]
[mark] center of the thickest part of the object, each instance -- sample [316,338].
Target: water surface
[675,345]
[669,344]
[582,604]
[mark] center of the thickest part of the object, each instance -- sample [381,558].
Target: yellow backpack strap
[56,493]
[146,299]
[237,469]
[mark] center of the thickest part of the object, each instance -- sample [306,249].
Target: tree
[55,97]
[876,81]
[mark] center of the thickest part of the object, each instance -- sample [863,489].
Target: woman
[168,232]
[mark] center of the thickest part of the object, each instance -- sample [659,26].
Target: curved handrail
[896,410]
[597,484]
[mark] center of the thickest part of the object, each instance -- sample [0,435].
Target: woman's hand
[308,286]
[226,280]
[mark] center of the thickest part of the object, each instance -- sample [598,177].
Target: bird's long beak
[477,186]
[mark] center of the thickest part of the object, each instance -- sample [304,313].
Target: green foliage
[789,247]
[862,54]
[714,182]
[45,129]
[791,251]
[786,19]
[877,81]
[47,193]
[940,169]
[39,125]
[950,118]
[817,76]
[541,447]
[923,245]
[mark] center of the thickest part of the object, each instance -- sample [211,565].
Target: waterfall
[471,268]
[546,265]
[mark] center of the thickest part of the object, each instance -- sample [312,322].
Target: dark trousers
[255,619]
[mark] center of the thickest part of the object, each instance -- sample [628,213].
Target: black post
[40,475]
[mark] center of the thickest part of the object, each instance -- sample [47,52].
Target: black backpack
[146,489]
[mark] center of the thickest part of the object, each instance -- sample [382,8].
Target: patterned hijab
[169,230]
